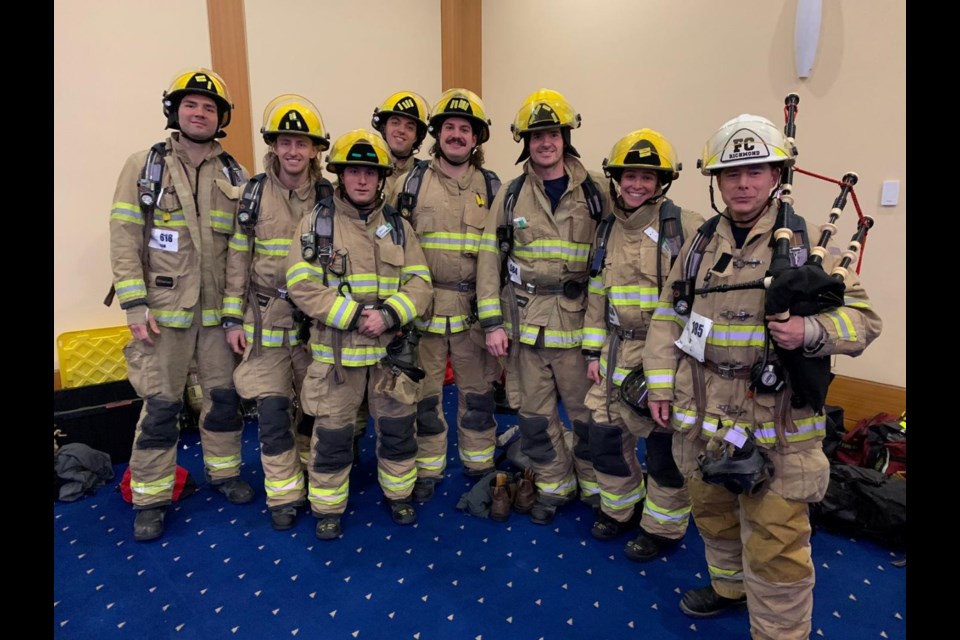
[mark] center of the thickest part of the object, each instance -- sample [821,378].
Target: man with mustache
[538,236]
[448,212]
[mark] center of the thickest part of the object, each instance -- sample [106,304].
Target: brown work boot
[526,492]
[500,507]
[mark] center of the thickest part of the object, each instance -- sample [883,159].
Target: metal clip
[736,315]
[727,370]
[530,288]
[740,263]
[325,255]
[730,410]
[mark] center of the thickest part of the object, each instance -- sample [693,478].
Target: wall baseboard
[864,399]
[858,398]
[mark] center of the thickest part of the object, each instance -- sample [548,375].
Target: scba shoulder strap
[248,212]
[670,236]
[683,289]
[317,243]
[407,200]
[590,192]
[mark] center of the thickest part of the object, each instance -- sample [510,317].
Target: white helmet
[744,140]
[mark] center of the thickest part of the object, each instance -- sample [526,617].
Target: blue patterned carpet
[220,571]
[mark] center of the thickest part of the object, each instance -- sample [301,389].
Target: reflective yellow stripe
[276,488]
[588,488]
[483,455]
[666,516]
[431,463]
[173,319]
[329,497]
[561,489]
[619,502]
[219,463]
[725,574]
[400,484]
[153,488]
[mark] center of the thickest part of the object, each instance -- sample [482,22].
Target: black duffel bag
[864,502]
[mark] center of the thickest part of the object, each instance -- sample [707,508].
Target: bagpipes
[804,289]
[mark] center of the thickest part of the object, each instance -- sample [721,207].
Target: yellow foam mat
[93,356]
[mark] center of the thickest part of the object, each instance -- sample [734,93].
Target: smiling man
[172,217]
[446,201]
[538,236]
[402,121]
[257,316]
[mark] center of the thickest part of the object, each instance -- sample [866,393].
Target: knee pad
[606,446]
[334,449]
[660,463]
[428,420]
[582,448]
[397,438]
[535,441]
[224,415]
[275,434]
[159,427]
[479,414]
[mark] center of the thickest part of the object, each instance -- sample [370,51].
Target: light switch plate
[890,193]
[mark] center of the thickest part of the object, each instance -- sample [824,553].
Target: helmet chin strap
[657,197]
[199,140]
[456,164]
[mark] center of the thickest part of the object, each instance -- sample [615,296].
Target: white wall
[679,67]
[108,83]
[683,68]
[346,57]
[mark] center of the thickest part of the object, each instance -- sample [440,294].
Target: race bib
[736,436]
[693,340]
[514,270]
[164,239]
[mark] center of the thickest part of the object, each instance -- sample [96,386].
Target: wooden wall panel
[461,29]
[863,399]
[228,49]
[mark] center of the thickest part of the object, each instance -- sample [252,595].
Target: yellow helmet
[544,109]
[461,103]
[359,148]
[200,81]
[292,113]
[744,140]
[643,149]
[403,103]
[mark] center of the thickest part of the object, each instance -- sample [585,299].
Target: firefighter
[172,217]
[725,390]
[260,322]
[541,248]
[402,121]
[448,213]
[632,256]
[360,274]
